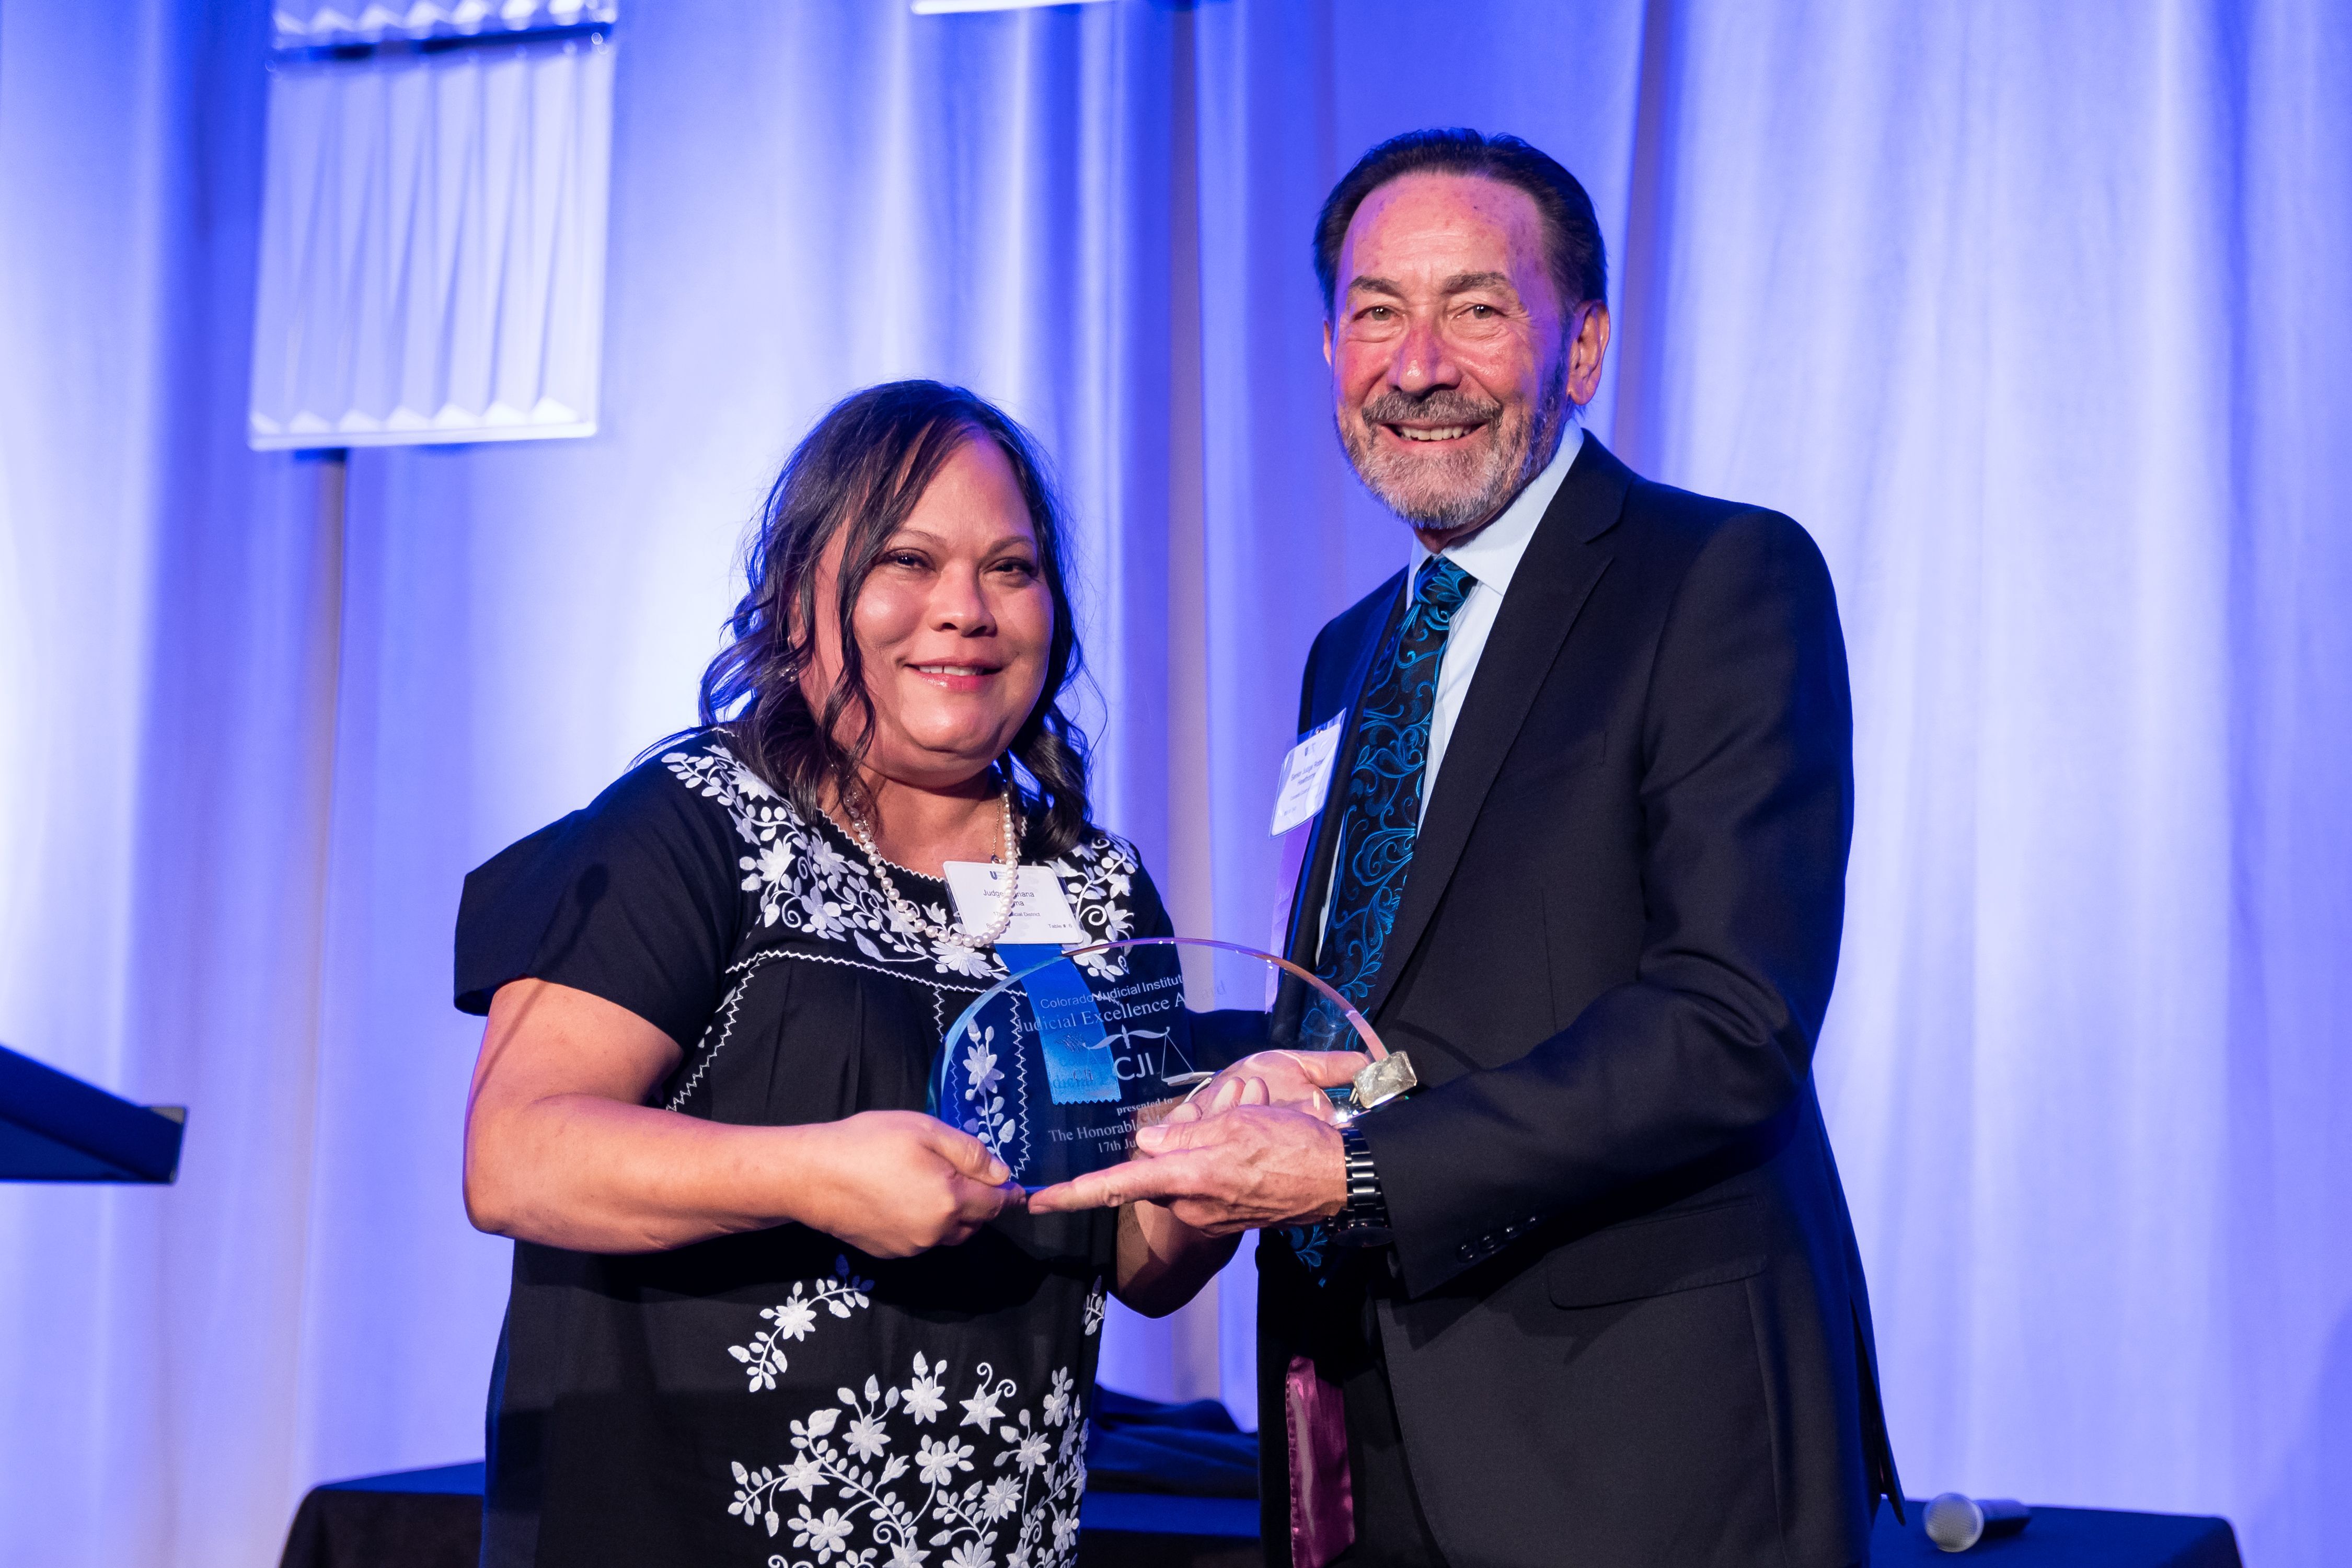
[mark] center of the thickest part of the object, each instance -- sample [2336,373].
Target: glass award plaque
[1052,1065]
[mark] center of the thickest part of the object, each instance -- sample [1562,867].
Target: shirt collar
[1492,554]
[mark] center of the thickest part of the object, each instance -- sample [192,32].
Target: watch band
[1363,1217]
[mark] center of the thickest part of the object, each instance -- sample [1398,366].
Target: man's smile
[1431,434]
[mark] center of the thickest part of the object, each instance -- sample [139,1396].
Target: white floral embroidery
[985,1113]
[925,1398]
[983,1407]
[937,1459]
[807,885]
[795,1318]
[802,882]
[1032,1497]
[1057,1398]
[1094,1310]
[1100,878]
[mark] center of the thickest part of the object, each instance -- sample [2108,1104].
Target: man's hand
[895,1183]
[1242,1168]
[1295,1080]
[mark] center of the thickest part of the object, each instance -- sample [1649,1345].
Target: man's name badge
[1307,773]
[1041,911]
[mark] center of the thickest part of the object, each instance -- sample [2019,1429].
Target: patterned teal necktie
[1377,828]
[1383,815]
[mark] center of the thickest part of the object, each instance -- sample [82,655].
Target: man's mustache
[1441,405]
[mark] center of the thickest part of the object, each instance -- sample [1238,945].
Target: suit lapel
[1315,876]
[1562,564]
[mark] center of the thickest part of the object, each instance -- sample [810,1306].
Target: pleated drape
[433,255]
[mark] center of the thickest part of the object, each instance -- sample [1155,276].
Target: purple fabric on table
[1322,1496]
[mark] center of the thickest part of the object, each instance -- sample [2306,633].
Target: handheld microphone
[1955,1522]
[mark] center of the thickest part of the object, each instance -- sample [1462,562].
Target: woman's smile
[960,676]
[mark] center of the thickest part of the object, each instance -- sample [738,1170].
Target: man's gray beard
[1490,480]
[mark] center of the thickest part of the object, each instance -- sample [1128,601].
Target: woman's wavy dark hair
[863,468]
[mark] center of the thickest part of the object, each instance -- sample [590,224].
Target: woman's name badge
[1041,912]
[1306,774]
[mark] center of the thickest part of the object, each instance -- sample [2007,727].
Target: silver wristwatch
[1363,1217]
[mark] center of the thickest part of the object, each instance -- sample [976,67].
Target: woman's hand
[895,1183]
[561,1148]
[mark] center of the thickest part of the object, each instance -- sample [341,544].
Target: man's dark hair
[1580,267]
[860,472]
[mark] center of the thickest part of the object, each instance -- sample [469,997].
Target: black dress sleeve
[635,899]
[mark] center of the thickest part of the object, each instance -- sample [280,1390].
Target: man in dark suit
[1589,1294]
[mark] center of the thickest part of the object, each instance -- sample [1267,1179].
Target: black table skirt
[374,1529]
[341,1528]
[1175,1486]
[2067,1537]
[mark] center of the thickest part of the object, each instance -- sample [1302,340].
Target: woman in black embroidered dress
[765,1310]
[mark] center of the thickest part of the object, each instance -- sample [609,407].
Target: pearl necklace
[904,908]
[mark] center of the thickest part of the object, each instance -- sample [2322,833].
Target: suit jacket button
[1465,1251]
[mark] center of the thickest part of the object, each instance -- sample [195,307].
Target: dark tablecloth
[1168,1486]
[1176,1487]
[2070,1537]
[341,1526]
[411,1518]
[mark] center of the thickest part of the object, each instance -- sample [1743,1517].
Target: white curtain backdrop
[2034,315]
[433,247]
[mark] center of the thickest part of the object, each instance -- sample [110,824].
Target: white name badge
[1306,774]
[1041,912]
